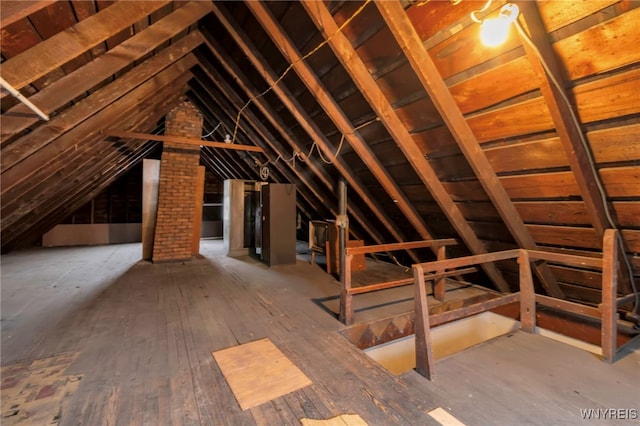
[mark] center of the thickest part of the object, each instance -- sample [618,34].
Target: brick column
[177,188]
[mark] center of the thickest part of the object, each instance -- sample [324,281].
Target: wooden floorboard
[144,334]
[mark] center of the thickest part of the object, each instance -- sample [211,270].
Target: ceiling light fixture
[495,31]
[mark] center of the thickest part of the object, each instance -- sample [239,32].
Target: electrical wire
[587,149]
[484,8]
[279,79]
[211,132]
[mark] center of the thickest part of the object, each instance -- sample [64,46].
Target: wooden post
[197,213]
[346,298]
[425,364]
[439,284]
[609,330]
[527,294]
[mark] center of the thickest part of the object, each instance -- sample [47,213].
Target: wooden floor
[140,337]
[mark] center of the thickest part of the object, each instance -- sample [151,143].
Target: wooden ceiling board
[615,144]
[437,139]
[17,37]
[85,79]
[45,57]
[608,46]
[419,114]
[531,155]
[610,97]
[463,51]
[622,182]
[627,213]
[559,13]
[498,84]
[553,212]
[452,168]
[379,50]
[541,185]
[400,84]
[11,11]
[437,16]
[363,26]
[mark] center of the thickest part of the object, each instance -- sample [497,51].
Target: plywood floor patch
[343,420]
[443,417]
[258,372]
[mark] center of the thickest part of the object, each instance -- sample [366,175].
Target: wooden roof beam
[230,102]
[83,168]
[267,111]
[360,75]
[56,51]
[424,67]
[306,123]
[13,11]
[339,118]
[74,84]
[566,123]
[277,175]
[31,144]
[80,138]
[180,139]
[260,132]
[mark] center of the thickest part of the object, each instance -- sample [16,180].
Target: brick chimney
[177,187]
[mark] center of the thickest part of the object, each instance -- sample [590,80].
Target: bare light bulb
[495,31]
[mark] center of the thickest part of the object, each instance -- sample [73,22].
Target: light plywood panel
[258,372]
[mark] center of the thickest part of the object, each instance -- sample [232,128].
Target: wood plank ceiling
[436,135]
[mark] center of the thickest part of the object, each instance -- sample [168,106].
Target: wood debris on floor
[37,392]
[343,420]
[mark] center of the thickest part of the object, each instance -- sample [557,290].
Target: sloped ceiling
[436,135]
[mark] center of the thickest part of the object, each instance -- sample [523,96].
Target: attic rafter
[339,118]
[83,79]
[256,132]
[180,139]
[565,121]
[249,165]
[352,63]
[33,173]
[13,11]
[307,124]
[89,168]
[426,71]
[259,134]
[248,132]
[567,129]
[243,81]
[236,104]
[31,143]
[55,51]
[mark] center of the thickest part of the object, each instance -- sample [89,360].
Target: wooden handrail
[476,259]
[606,311]
[400,246]
[347,292]
[567,259]
[406,281]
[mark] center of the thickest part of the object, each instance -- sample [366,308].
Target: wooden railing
[347,292]
[606,312]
